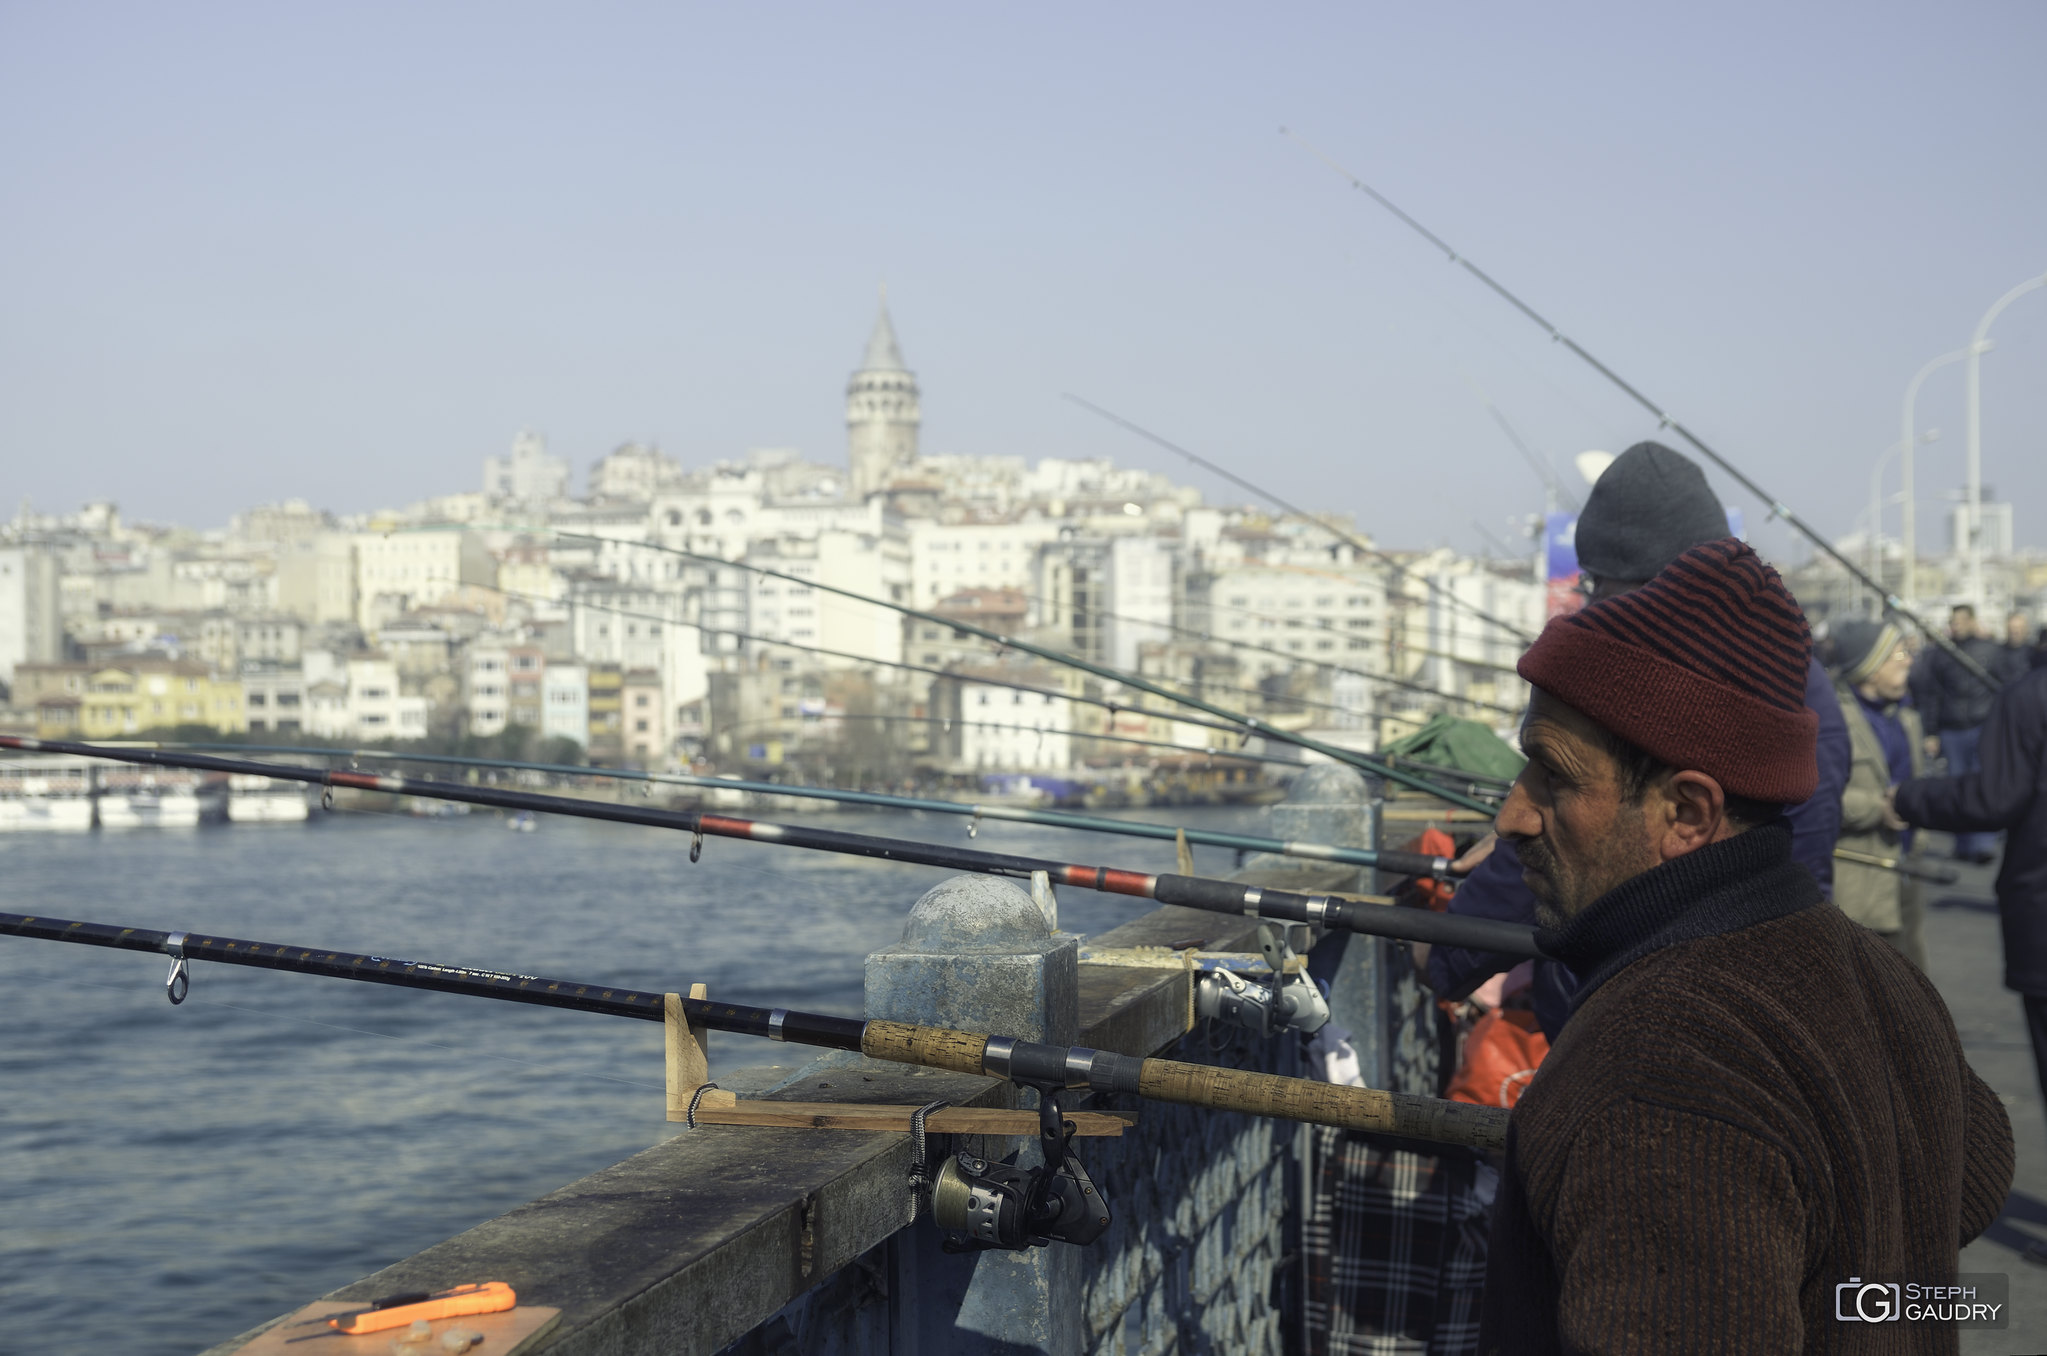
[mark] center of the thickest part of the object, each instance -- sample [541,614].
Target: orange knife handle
[489,1298]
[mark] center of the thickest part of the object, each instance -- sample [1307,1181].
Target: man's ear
[1695,814]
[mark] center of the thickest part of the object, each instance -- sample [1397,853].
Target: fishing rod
[1104,703]
[1474,784]
[1251,723]
[1904,866]
[1234,727]
[992,681]
[1058,819]
[982,1205]
[1329,912]
[1355,543]
[1299,660]
[1664,419]
[1205,751]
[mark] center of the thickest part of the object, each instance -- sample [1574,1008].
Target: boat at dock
[54,793]
[265,800]
[160,798]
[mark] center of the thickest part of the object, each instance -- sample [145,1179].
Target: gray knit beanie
[1861,647]
[1650,507]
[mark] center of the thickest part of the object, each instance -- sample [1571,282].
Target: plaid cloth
[1396,1248]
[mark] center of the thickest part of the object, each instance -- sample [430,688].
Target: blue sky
[345,252]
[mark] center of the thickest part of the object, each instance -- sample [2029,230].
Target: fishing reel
[983,1206]
[1287,1001]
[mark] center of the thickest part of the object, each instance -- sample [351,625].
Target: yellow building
[126,699]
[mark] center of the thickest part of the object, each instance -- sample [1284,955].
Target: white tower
[881,411]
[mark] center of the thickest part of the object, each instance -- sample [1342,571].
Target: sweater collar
[1723,887]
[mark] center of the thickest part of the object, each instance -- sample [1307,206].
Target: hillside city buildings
[619,627]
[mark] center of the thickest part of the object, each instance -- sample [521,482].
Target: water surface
[170,1177]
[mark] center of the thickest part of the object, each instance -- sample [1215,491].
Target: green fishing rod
[1058,819]
[1263,729]
[1664,419]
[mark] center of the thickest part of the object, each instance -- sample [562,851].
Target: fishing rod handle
[1318,1103]
[1414,864]
[1165,1080]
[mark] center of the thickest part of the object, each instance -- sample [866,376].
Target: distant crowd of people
[1750,1093]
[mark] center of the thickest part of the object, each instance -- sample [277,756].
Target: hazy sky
[344,252]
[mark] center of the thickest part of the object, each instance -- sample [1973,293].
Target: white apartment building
[565,703]
[227,642]
[623,624]
[274,698]
[948,557]
[529,475]
[316,578]
[1455,650]
[410,567]
[486,685]
[31,624]
[877,565]
[1003,729]
[377,709]
[634,472]
[1106,595]
[1334,614]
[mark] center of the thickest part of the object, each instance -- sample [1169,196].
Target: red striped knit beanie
[1703,667]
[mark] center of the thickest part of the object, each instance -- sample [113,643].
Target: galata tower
[881,411]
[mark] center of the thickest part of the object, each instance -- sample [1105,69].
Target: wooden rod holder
[689,1058]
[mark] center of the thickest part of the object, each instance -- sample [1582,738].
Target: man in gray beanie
[1874,670]
[1651,506]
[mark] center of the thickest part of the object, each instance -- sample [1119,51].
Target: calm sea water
[170,1177]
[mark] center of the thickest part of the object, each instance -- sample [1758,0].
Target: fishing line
[335,1026]
[1665,420]
[1355,543]
[1252,724]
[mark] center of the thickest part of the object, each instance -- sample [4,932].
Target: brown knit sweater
[1754,1101]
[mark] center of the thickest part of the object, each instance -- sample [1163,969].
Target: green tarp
[1465,745]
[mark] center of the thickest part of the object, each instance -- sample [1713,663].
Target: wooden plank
[952,1120]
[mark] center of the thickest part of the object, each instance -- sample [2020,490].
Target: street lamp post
[1907,512]
[1978,342]
[1876,524]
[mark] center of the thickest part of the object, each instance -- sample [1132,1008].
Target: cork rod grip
[931,1046]
[1301,1099]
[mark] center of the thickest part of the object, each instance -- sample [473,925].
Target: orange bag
[1501,1053]
[1434,843]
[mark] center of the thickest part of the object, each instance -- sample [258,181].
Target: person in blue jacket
[1650,507]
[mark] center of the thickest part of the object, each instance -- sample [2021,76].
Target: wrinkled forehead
[1553,729]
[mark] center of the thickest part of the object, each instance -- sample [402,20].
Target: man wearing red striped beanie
[1755,1101]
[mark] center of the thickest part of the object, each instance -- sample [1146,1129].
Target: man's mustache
[1535,855]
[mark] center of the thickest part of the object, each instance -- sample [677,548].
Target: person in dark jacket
[1650,507]
[2015,656]
[1755,1101]
[2009,791]
[1952,704]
